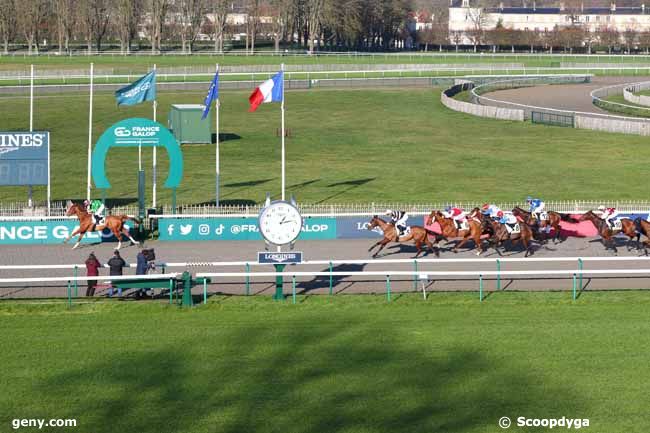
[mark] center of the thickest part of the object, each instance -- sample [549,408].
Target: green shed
[185,122]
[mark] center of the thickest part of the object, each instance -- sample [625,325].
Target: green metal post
[498,274]
[171,289]
[415,274]
[480,288]
[248,279]
[76,288]
[574,287]
[279,296]
[293,288]
[580,268]
[205,291]
[331,280]
[187,289]
[69,295]
[388,288]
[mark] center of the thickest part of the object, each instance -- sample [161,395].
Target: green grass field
[347,146]
[344,364]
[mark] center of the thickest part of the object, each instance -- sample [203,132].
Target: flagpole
[31,124]
[217,168]
[90,132]
[155,106]
[282,131]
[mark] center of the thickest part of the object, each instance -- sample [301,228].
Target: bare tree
[644,41]
[280,11]
[129,13]
[630,35]
[94,17]
[64,11]
[219,17]
[7,23]
[609,37]
[252,23]
[479,19]
[158,10]
[191,13]
[315,10]
[30,16]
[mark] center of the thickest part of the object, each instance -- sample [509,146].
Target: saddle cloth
[515,230]
[618,225]
[405,232]
[464,225]
[543,216]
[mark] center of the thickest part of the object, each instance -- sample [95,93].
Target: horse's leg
[128,235]
[418,246]
[462,242]
[430,246]
[383,243]
[374,245]
[73,234]
[118,235]
[81,235]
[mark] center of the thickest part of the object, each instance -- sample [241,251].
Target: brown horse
[628,228]
[501,234]
[86,224]
[643,226]
[553,221]
[417,234]
[449,230]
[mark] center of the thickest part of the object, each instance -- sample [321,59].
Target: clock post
[280,224]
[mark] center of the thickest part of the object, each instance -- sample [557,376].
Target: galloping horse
[86,224]
[643,226]
[628,228]
[449,230]
[554,219]
[417,234]
[501,234]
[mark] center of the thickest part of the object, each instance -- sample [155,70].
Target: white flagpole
[217,106]
[282,131]
[155,106]
[90,132]
[31,124]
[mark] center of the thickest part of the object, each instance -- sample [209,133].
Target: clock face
[280,223]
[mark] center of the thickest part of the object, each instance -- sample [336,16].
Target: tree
[252,23]
[7,23]
[479,20]
[314,20]
[630,35]
[94,17]
[644,41]
[191,13]
[219,16]
[64,11]
[129,13]
[30,16]
[609,37]
[158,10]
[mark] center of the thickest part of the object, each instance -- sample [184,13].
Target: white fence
[21,212]
[482,110]
[630,90]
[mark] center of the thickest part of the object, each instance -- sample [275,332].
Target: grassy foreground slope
[342,364]
[347,146]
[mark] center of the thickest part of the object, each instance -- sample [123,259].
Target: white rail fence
[21,212]
[418,274]
[630,90]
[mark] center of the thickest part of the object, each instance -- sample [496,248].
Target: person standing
[92,270]
[116,264]
[142,267]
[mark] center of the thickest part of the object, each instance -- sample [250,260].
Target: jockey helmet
[485,206]
[86,202]
[500,213]
[388,212]
[448,209]
[529,199]
[601,207]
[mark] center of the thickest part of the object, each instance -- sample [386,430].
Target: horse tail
[131,217]
[436,236]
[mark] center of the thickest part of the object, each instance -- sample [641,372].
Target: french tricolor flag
[272,90]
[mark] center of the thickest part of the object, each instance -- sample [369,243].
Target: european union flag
[142,90]
[213,93]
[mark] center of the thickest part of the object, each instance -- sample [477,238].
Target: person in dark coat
[141,268]
[116,264]
[92,270]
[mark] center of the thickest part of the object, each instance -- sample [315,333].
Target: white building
[464,18]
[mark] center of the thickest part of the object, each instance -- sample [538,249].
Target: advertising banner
[356,228]
[235,229]
[47,232]
[24,158]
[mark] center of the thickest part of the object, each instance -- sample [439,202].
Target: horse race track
[342,364]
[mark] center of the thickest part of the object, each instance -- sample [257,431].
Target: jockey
[96,209]
[490,210]
[398,218]
[536,206]
[609,214]
[508,220]
[456,214]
